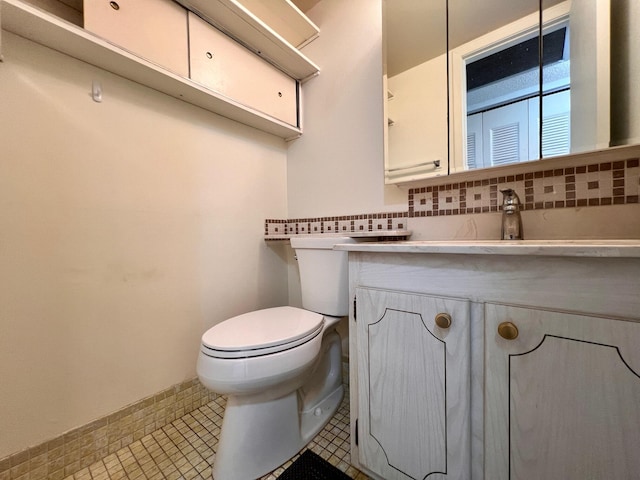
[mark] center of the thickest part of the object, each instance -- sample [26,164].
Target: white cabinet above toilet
[146,41]
[223,65]
[156,30]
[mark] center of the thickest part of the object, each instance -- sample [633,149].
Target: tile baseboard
[80,447]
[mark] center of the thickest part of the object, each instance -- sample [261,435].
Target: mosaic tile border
[594,184]
[371,222]
[83,446]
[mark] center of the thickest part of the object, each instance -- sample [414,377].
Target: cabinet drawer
[155,30]
[223,65]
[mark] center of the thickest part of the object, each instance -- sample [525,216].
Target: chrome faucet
[511,220]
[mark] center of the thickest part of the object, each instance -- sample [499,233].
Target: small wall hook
[96,91]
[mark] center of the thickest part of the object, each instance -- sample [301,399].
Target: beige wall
[337,167]
[128,228]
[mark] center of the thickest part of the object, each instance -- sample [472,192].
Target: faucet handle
[510,197]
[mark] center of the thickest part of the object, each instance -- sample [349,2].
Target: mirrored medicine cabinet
[467,82]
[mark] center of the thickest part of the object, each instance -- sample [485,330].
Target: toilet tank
[324,274]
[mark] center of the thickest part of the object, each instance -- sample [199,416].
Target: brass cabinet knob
[443,320]
[508,331]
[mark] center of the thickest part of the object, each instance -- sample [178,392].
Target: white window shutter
[505,144]
[471,151]
[556,134]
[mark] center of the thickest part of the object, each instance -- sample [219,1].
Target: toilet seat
[261,332]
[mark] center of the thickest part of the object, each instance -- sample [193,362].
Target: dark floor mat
[310,466]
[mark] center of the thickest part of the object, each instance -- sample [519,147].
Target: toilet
[281,368]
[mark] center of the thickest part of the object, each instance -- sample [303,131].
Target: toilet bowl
[283,381]
[281,368]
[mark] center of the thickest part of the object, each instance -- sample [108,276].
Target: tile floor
[185,449]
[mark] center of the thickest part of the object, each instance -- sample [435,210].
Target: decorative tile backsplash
[349,224]
[592,184]
[608,183]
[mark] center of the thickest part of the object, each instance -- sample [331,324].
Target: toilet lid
[262,332]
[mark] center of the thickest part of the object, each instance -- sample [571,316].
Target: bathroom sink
[576,248]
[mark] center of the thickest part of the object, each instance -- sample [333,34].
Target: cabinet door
[562,399]
[413,386]
[155,30]
[225,66]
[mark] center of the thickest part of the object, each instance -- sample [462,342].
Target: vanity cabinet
[538,376]
[563,397]
[152,29]
[413,393]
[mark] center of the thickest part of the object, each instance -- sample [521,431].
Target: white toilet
[280,367]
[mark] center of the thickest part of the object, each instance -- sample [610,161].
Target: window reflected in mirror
[503,105]
[494,82]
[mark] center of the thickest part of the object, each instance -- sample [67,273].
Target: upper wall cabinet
[219,63]
[147,41]
[128,23]
[274,29]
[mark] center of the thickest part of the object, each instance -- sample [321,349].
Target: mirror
[495,83]
[588,100]
[415,77]
[605,106]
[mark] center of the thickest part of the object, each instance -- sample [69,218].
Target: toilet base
[256,438]
[313,421]
[259,433]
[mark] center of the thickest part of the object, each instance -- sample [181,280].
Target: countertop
[568,248]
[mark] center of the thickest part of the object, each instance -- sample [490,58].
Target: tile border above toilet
[369,223]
